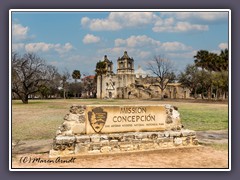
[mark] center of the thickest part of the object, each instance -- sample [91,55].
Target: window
[129,65]
[121,65]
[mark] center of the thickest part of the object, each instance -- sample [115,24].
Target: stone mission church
[128,83]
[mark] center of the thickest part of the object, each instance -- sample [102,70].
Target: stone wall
[112,129]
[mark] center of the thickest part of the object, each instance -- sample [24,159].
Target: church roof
[106,59]
[125,56]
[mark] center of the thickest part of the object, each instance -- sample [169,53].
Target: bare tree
[64,78]
[29,74]
[163,69]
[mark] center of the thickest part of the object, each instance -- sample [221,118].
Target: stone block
[195,142]
[95,146]
[175,133]
[72,117]
[65,139]
[83,139]
[153,136]
[186,132]
[136,141]
[146,140]
[95,138]
[166,134]
[77,109]
[105,149]
[78,128]
[67,133]
[104,137]
[164,144]
[127,147]
[104,142]
[115,136]
[113,143]
[81,148]
[160,134]
[116,149]
[177,141]
[58,132]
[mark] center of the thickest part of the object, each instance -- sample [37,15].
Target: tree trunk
[210,93]
[64,94]
[101,87]
[161,94]
[24,99]
[195,93]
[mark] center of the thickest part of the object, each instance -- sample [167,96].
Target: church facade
[128,83]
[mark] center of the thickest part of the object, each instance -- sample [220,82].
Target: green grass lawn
[40,118]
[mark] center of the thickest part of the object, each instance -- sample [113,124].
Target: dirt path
[200,157]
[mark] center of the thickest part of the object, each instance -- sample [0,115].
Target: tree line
[208,75]
[32,77]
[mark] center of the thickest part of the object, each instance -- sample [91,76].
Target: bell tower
[125,64]
[109,65]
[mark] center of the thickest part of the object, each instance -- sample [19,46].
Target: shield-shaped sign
[97,118]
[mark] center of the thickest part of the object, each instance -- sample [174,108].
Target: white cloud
[149,43]
[44,47]
[174,46]
[223,45]
[35,47]
[137,41]
[130,19]
[89,38]
[179,27]
[85,21]
[118,20]
[206,16]
[61,49]
[19,32]
[17,46]
[165,22]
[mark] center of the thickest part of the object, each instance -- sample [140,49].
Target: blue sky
[78,40]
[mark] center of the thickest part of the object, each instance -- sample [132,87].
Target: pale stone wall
[111,129]
[122,142]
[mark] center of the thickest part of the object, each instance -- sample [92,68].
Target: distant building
[128,84]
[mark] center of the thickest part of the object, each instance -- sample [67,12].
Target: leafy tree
[163,69]
[76,75]
[89,85]
[220,82]
[64,82]
[100,70]
[190,78]
[29,74]
[75,89]
[211,63]
[201,59]
[224,58]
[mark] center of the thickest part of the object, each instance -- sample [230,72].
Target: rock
[65,139]
[177,141]
[72,117]
[105,149]
[75,109]
[83,139]
[81,148]
[95,138]
[78,129]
